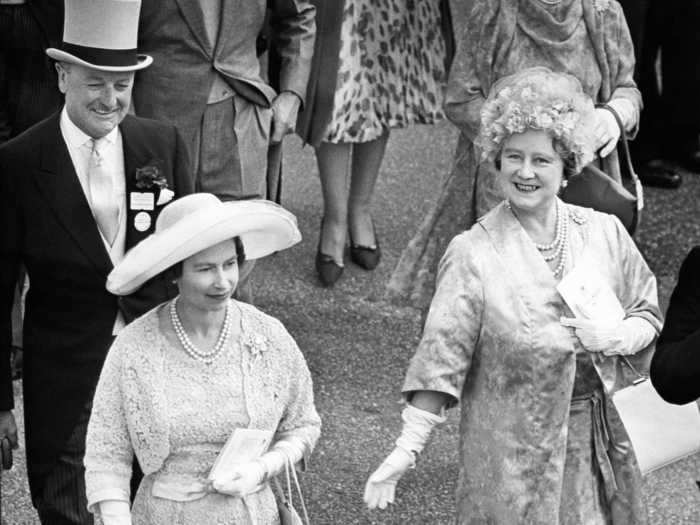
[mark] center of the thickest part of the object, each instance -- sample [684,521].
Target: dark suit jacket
[47,225]
[675,367]
[176,87]
[28,87]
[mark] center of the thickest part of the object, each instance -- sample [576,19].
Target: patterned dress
[392,68]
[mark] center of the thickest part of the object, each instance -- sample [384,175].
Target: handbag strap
[641,377]
[638,189]
[289,467]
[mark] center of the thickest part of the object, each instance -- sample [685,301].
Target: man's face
[96,101]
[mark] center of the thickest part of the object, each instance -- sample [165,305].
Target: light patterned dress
[540,442]
[392,68]
[175,414]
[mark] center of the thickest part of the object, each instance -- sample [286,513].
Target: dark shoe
[365,256]
[328,270]
[660,174]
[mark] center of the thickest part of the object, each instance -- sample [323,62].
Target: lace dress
[175,414]
[206,402]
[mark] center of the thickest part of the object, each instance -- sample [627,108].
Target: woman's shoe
[365,256]
[328,270]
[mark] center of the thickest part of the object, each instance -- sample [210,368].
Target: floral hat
[538,99]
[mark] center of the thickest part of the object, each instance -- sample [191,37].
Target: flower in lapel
[256,345]
[150,178]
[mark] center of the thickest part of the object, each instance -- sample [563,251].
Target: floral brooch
[257,344]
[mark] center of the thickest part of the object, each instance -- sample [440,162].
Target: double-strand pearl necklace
[560,244]
[193,351]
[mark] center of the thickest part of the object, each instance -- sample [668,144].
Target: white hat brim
[264,228]
[61,56]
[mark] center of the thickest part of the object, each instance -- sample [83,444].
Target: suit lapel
[137,155]
[58,183]
[194,18]
[229,12]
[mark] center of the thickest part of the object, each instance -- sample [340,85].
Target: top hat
[101,34]
[195,222]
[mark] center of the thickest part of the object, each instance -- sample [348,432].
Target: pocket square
[166,195]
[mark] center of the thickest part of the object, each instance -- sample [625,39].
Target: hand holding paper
[624,337]
[243,479]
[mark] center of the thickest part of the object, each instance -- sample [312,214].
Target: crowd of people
[139,166]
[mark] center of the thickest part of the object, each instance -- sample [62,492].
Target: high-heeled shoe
[328,270]
[365,256]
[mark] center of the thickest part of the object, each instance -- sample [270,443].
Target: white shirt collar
[76,137]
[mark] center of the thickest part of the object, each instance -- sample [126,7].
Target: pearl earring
[564,184]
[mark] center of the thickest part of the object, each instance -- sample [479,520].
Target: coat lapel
[230,11]
[136,155]
[194,18]
[58,183]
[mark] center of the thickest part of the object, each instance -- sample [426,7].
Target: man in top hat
[76,191]
[207,81]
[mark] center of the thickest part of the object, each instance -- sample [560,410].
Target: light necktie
[105,207]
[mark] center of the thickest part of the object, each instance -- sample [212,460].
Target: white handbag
[661,433]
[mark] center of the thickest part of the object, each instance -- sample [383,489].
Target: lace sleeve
[299,421]
[108,450]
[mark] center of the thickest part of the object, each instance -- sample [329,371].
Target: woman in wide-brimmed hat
[181,379]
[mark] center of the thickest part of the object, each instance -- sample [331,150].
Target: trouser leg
[62,500]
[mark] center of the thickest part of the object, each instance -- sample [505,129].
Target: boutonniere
[257,344]
[150,178]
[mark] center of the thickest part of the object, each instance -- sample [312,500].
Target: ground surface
[358,345]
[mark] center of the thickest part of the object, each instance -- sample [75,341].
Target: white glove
[606,132]
[115,512]
[417,426]
[625,337]
[626,110]
[381,485]
[243,479]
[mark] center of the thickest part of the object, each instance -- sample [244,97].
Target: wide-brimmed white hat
[101,34]
[196,222]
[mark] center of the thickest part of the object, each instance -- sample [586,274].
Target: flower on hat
[538,99]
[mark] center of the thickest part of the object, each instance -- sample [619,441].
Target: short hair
[175,271]
[539,99]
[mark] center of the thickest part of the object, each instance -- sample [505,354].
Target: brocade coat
[494,342]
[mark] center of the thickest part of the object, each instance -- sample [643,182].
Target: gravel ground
[358,346]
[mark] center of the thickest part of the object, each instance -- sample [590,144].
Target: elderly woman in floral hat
[588,39]
[540,443]
[195,371]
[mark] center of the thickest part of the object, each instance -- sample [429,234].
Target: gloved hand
[381,485]
[625,337]
[606,132]
[244,479]
[417,426]
[115,512]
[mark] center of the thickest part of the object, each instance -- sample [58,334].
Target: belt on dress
[172,488]
[178,489]
[601,440]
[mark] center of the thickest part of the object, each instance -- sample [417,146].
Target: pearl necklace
[193,351]
[560,244]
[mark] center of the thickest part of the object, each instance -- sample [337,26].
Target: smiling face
[531,171]
[96,101]
[209,278]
